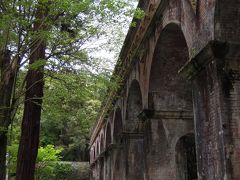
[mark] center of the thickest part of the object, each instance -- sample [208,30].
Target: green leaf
[37,64]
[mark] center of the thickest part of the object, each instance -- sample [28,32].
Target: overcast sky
[108,47]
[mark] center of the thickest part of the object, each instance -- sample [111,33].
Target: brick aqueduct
[177,114]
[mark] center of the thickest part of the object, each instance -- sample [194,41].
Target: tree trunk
[28,147]
[7,78]
[29,141]
[3,149]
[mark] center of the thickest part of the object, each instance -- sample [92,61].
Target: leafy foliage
[48,153]
[71,104]
[47,166]
[76,82]
[48,163]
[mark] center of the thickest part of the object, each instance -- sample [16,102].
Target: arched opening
[101,169]
[98,148]
[108,135]
[118,127]
[167,89]
[101,144]
[170,97]
[134,107]
[186,158]
[108,155]
[117,153]
[94,153]
[118,169]
[101,160]
[134,142]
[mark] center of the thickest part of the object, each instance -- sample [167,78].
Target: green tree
[71,104]
[57,42]
[29,141]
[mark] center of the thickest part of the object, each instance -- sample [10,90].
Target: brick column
[101,168]
[216,97]
[108,156]
[162,131]
[117,163]
[133,156]
[93,171]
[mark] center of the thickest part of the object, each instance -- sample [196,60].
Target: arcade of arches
[177,113]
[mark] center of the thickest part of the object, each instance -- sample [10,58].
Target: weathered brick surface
[134,164]
[231,101]
[210,145]
[118,164]
[156,101]
[227,20]
[160,146]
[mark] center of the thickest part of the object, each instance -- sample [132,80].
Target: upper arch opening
[167,89]
[108,135]
[134,106]
[118,127]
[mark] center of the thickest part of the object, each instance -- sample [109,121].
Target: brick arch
[98,147]
[108,156]
[134,106]
[94,152]
[169,96]
[186,163]
[102,148]
[183,14]
[117,123]
[167,89]
[108,135]
[192,35]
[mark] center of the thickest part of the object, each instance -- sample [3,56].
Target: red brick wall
[216,88]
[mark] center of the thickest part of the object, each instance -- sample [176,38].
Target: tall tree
[71,103]
[65,26]
[6,87]
[9,66]
[71,24]
[33,101]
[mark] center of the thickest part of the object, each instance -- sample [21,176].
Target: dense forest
[56,59]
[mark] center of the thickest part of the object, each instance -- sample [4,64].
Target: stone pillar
[101,167]
[134,156]
[162,131]
[117,163]
[107,165]
[93,171]
[216,95]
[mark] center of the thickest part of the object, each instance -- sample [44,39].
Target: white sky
[109,46]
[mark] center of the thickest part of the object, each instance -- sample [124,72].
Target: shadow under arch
[108,136]
[133,150]
[186,163]
[134,107]
[167,89]
[108,155]
[101,160]
[102,149]
[170,98]
[118,168]
[118,125]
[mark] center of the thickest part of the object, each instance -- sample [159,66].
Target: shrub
[62,171]
[46,162]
